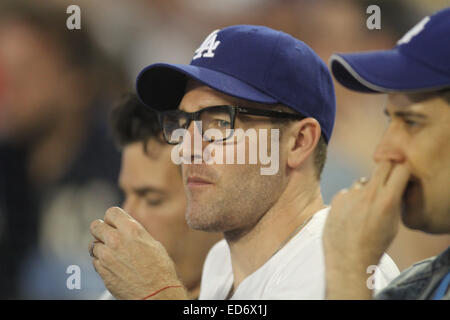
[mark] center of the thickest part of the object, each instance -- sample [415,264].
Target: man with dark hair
[412,180]
[153,190]
[242,80]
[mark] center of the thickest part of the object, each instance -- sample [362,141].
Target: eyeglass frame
[233,112]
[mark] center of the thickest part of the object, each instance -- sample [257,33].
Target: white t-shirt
[297,271]
[106,296]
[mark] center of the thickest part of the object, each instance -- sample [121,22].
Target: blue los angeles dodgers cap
[254,63]
[419,62]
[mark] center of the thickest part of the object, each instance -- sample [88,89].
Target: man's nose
[389,148]
[194,140]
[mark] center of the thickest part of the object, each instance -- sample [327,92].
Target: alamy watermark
[231,151]
[74,280]
[374,20]
[371,282]
[73,22]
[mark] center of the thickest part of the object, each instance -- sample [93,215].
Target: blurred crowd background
[58,163]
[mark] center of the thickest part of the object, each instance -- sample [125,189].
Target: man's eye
[153,202]
[222,123]
[411,123]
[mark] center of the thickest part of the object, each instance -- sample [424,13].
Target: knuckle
[110,212]
[94,225]
[134,228]
[115,211]
[342,196]
[338,197]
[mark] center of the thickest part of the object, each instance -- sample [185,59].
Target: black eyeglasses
[220,118]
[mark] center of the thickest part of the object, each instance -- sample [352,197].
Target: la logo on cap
[414,31]
[206,49]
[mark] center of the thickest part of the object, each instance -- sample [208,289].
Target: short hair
[320,156]
[445,94]
[132,121]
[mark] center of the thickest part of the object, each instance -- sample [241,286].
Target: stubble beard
[235,210]
[211,211]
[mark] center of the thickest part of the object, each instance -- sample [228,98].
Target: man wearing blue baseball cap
[412,180]
[240,78]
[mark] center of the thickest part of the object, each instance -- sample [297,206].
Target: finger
[397,181]
[97,250]
[91,247]
[116,217]
[358,184]
[103,260]
[363,180]
[91,244]
[95,262]
[380,174]
[339,198]
[99,229]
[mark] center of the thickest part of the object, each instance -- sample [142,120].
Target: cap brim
[161,86]
[385,71]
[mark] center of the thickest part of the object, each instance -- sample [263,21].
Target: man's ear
[304,136]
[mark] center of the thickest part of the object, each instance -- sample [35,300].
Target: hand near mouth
[131,263]
[361,225]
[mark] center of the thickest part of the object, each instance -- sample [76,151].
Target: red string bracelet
[158,291]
